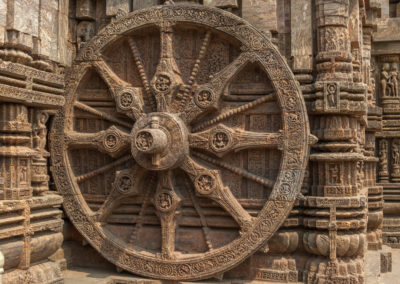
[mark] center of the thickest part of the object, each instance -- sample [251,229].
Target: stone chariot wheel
[183,143]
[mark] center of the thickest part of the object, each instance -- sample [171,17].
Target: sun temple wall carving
[253,140]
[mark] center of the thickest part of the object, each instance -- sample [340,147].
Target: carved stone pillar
[86,16]
[389,145]
[302,40]
[373,166]
[372,162]
[30,218]
[375,192]
[15,178]
[334,54]
[338,162]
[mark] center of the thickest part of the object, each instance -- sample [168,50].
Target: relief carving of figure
[385,81]
[332,95]
[371,90]
[394,80]
[334,172]
[383,151]
[395,172]
[360,173]
[84,32]
[396,153]
[40,132]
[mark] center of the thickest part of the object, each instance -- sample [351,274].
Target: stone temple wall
[33,54]
[345,55]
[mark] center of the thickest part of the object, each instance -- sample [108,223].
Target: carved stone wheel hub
[183,142]
[159,141]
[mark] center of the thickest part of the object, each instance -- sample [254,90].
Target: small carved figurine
[40,132]
[394,80]
[396,153]
[334,174]
[385,81]
[371,90]
[383,168]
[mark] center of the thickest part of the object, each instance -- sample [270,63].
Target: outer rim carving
[276,209]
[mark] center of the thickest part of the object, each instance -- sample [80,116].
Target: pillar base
[47,272]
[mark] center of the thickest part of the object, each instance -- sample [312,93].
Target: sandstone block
[25,16]
[221,3]
[85,9]
[112,7]
[141,4]
[301,35]
[261,14]
[386,262]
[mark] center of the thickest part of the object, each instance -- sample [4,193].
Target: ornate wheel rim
[157,119]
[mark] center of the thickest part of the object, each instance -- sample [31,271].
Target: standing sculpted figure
[40,132]
[394,80]
[396,153]
[385,81]
[383,156]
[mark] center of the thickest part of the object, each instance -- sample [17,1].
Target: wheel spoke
[167,78]
[104,169]
[241,172]
[126,184]
[127,98]
[202,54]
[108,75]
[208,96]
[220,140]
[166,202]
[111,141]
[150,182]
[203,221]
[145,82]
[208,183]
[102,114]
[235,111]
[184,94]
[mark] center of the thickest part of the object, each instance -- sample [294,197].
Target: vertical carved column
[86,26]
[16,167]
[302,40]
[372,163]
[23,176]
[389,145]
[35,40]
[337,163]
[15,178]
[334,54]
